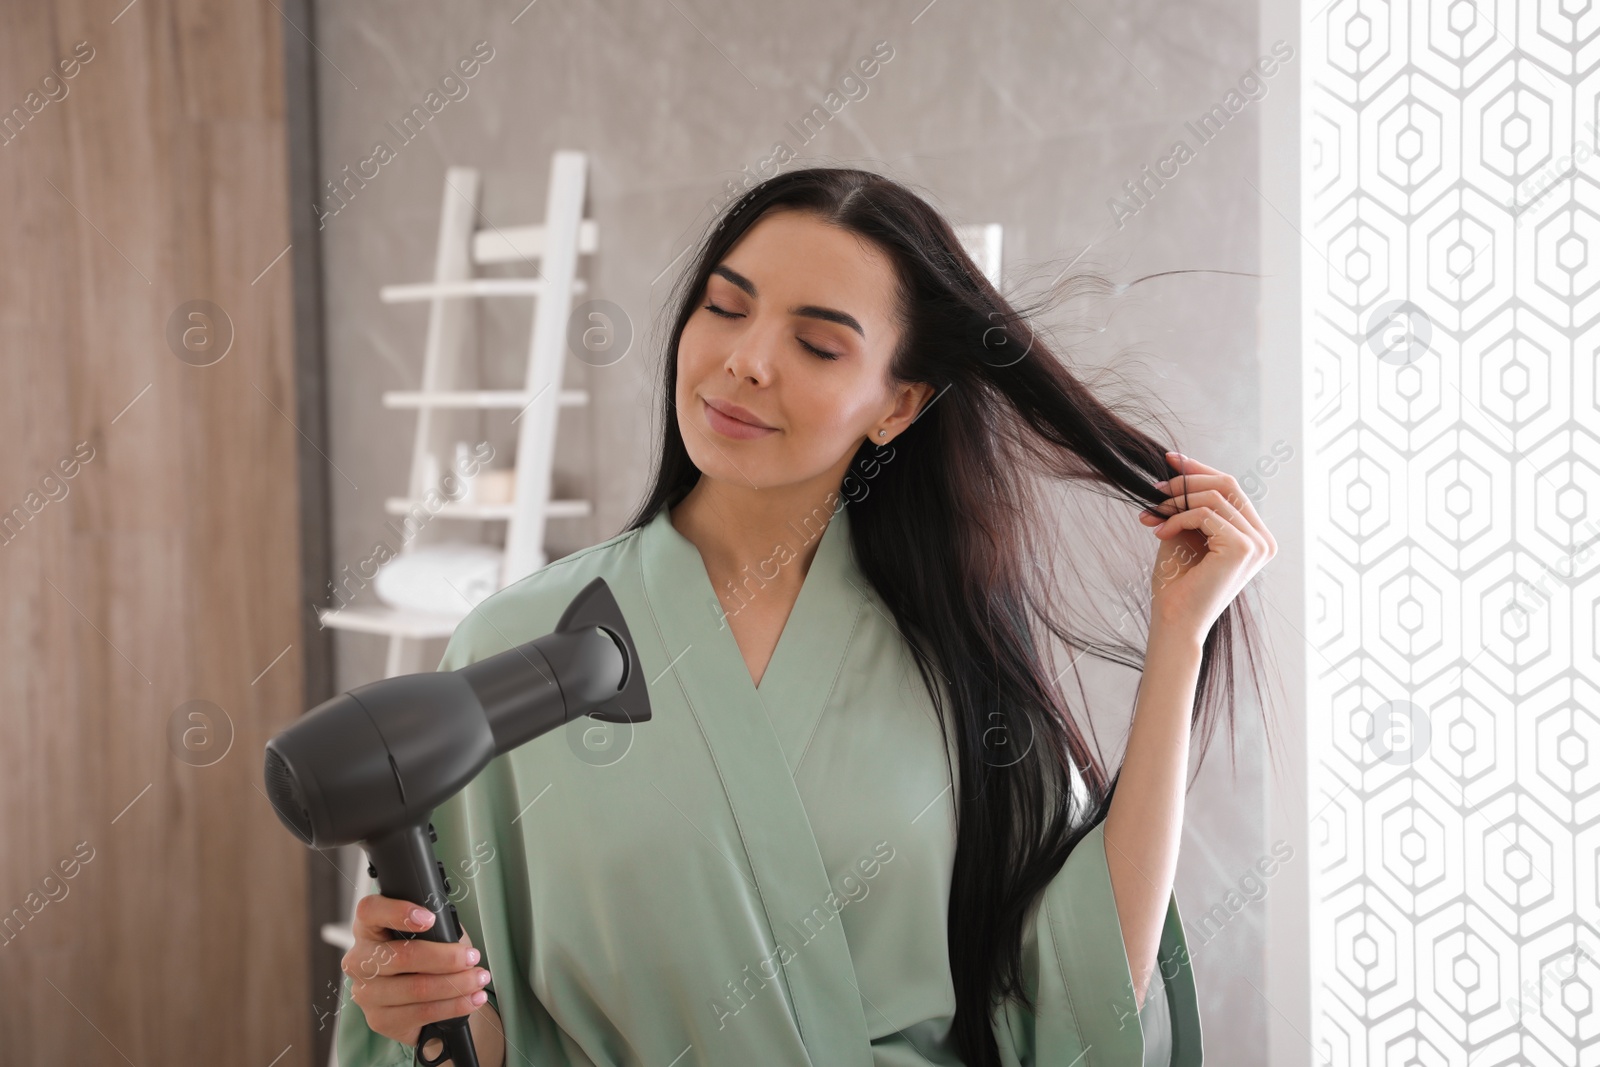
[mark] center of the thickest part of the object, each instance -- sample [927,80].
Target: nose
[752,356]
[736,371]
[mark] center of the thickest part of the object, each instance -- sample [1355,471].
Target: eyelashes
[731,315]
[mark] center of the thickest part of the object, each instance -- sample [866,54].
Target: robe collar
[794,687]
[756,736]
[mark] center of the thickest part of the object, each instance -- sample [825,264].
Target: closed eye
[810,348]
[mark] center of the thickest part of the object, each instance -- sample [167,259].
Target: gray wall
[1033,115]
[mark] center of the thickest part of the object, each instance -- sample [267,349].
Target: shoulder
[531,606]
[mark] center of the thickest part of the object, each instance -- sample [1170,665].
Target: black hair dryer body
[369,766]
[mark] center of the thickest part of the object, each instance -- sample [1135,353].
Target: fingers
[420,988]
[401,983]
[1196,476]
[1217,502]
[1208,522]
[374,959]
[377,952]
[405,1022]
[1195,483]
[376,916]
[1190,465]
[366,959]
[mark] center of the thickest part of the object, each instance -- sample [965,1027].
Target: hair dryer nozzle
[596,606]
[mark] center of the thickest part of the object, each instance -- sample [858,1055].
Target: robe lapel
[754,737]
[799,677]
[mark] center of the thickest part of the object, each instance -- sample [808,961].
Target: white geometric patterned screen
[1451,209]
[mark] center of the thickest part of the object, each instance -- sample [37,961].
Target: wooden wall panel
[168,567]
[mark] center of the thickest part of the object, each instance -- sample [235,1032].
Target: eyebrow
[810,311]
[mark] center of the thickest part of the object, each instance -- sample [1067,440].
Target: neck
[735,528]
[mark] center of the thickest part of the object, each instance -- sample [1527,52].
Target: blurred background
[262,296]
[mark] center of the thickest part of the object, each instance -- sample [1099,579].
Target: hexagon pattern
[1451,204]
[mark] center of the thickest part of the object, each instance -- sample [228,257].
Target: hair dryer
[369,766]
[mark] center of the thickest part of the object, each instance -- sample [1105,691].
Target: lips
[728,421]
[734,411]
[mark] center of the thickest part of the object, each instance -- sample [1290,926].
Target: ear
[913,399]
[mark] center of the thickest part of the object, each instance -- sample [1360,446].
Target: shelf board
[338,936]
[468,288]
[476,398]
[556,509]
[381,619]
[509,244]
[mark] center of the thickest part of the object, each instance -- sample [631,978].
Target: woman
[862,826]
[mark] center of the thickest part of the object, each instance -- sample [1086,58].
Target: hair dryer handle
[406,868]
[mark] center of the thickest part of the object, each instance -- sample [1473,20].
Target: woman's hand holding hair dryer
[402,985]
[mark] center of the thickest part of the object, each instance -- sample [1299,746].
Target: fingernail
[479,997]
[421,916]
[1162,484]
[472,956]
[483,977]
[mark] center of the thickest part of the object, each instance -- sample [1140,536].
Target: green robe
[759,874]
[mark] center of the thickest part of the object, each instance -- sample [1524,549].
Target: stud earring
[881,433]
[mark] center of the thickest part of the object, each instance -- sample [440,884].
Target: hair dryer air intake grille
[281,792]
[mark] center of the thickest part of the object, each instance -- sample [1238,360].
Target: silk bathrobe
[759,875]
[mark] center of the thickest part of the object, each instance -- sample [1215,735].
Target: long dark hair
[945,538]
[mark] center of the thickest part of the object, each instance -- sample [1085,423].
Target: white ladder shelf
[552,247]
